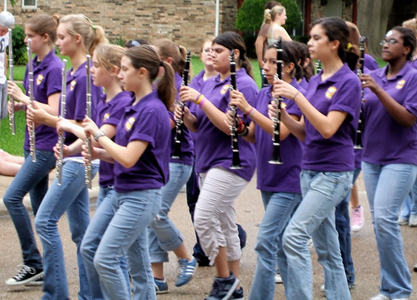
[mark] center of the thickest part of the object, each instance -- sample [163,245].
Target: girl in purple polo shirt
[279,184]
[33,176]
[110,108]
[77,36]
[328,127]
[389,160]
[214,217]
[162,234]
[141,169]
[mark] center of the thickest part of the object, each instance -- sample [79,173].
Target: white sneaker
[412,222]
[322,288]
[278,278]
[383,297]
[402,221]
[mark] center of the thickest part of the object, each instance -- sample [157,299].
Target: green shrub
[251,15]
[118,41]
[20,56]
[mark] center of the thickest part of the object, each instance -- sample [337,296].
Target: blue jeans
[279,207]
[32,178]
[315,217]
[162,234]
[343,230]
[71,197]
[387,187]
[409,206]
[106,208]
[126,235]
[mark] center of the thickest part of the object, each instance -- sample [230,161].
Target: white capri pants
[214,216]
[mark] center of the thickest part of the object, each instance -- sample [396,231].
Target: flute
[59,162]
[179,126]
[32,137]
[233,129]
[88,110]
[360,71]
[276,154]
[11,78]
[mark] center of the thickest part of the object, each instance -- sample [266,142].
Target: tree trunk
[372,22]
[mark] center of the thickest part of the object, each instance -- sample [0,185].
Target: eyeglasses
[390,42]
[207,50]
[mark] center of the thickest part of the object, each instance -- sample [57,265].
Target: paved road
[249,214]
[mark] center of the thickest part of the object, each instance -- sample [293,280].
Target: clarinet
[59,162]
[358,140]
[32,137]
[318,66]
[179,126]
[276,154]
[11,115]
[88,140]
[233,129]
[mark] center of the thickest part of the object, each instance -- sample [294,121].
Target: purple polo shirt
[340,92]
[76,99]
[196,84]
[47,80]
[283,178]
[413,63]
[110,113]
[304,83]
[385,141]
[187,145]
[370,62]
[213,147]
[146,121]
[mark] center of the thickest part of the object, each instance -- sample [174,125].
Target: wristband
[99,135]
[200,97]
[202,102]
[244,132]
[251,112]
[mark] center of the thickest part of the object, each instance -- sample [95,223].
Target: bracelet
[99,135]
[202,102]
[196,99]
[251,112]
[200,97]
[295,95]
[244,132]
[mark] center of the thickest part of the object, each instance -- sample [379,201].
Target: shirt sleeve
[347,97]
[145,128]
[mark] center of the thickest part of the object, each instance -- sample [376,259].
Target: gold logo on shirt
[106,116]
[39,79]
[400,84]
[330,92]
[129,123]
[72,84]
[225,88]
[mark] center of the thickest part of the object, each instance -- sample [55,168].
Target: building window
[30,4]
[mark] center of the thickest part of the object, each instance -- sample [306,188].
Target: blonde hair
[271,14]
[109,55]
[411,24]
[92,35]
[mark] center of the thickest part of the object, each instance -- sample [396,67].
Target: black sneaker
[238,294]
[25,275]
[223,288]
[36,282]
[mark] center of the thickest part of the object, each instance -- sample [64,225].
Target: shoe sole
[232,289]
[356,229]
[25,282]
[34,283]
[195,270]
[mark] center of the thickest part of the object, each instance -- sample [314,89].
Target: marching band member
[33,177]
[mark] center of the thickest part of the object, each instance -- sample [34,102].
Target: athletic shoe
[36,282]
[238,294]
[24,276]
[415,268]
[278,278]
[402,221]
[412,222]
[161,286]
[357,219]
[383,297]
[223,288]
[186,271]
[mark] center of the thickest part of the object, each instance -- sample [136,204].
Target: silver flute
[88,109]
[32,137]
[11,78]
[61,139]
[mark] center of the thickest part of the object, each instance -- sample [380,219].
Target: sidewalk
[6,180]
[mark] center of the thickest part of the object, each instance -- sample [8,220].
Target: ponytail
[166,87]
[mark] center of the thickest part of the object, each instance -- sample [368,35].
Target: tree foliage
[19,46]
[251,15]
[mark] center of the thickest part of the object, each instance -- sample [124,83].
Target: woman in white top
[276,16]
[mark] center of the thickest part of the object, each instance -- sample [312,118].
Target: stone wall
[318,10]
[186,22]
